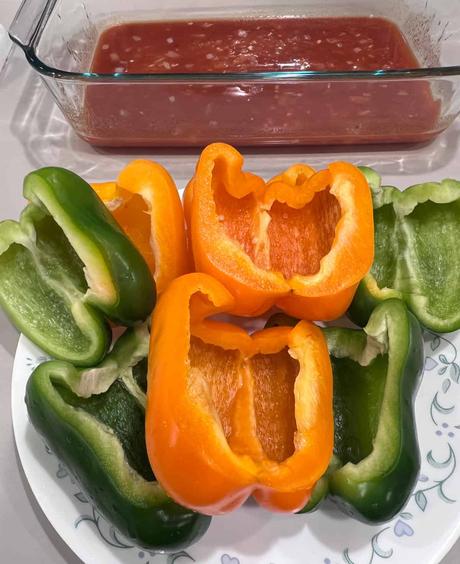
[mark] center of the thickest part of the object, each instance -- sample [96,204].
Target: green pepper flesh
[417,255]
[66,268]
[376,376]
[93,420]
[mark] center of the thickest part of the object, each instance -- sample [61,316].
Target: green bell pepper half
[417,254]
[321,489]
[66,266]
[376,374]
[93,420]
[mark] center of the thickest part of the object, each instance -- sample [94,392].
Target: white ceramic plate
[422,533]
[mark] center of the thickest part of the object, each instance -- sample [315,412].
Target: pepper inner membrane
[117,410]
[387,246]
[133,216]
[358,396]
[59,278]
[423,239]
[282,239]
[217,376]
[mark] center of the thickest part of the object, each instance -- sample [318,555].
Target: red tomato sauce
[245,112]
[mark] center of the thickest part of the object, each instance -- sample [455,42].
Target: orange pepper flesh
[302,241]
[145,202]
[131,213]
[310,230]
[231,414]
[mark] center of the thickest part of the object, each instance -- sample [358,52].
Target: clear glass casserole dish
[298,107]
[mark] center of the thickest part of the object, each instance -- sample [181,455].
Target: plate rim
[41,500]
[45,507]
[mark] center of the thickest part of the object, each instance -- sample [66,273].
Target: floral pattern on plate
[438,424]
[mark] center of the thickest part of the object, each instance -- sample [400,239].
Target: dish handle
[27,21]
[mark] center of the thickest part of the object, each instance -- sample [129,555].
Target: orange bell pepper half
[230,414]
[301,241]
[145,202]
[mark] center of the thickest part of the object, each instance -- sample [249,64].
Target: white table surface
[33,134]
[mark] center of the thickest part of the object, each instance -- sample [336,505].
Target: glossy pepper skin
[231,414]
[376,375]
[321,489]
[145,202]
[301,241]
[93,419]
[66,267]
[416,253]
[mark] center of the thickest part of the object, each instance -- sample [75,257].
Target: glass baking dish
[58,38]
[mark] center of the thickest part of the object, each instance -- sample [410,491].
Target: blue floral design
[227,559]
[179,555]
[442,406]
[443,460]
[376,549]
[108,533]
[449,463]
[32,363]
[402,528]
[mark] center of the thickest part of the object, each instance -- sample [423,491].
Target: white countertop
[34,134]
